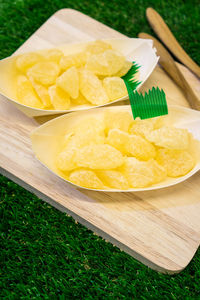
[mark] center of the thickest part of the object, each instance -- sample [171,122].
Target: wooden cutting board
[159,228]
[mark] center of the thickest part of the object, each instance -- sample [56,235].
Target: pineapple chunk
[176,162]
[27,60]
[42,93]
[102,157]
[73,60]
[89,131]
[53,55]
[59,98]
[86,178]
[44,72]
[115,88]
[170,137]
[66,160]
[80,100]
[98,47]
[131,144]
[117,120]
[92,89]
[69,82]
[26,94]
[143,173]
[107,63]
[113,179]
[142,127]
[124,70]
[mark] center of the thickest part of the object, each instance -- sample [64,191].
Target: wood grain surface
[160,228]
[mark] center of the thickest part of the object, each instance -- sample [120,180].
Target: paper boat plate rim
[173,181]
[33,112]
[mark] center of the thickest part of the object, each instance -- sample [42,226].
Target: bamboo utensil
[169,65]
[166,36]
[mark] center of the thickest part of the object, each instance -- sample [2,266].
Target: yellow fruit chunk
[67,62]
[143,173]
[126,67]
[176,162]
[27,60]
[117,120]
[77,60]
[81,100]
[44,72]
[107,63]
[59,98]
[113,179]
[92,89]
[159,172]
[42,93]
[86,178]
[115,88]
[99,157]
[66,160]
[133,165]
[98,47]
[69,82]
[131,144]
[137,172]
[142,127]
[162,121]
[53,55]
[170,137]
[139,181]
[26,94]
[89,131]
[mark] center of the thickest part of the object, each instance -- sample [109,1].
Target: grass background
[44,253]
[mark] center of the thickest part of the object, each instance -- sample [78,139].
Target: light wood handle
[168,64]
[166,36]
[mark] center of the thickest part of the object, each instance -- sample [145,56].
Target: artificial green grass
[44,253]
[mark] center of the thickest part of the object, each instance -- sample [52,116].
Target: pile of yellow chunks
[52,80]
[113,151]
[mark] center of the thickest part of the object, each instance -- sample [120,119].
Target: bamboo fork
[168,64]
[166,36]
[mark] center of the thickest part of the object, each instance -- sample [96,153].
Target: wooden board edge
[92,227]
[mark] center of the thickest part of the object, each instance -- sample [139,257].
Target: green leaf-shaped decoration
[152,104]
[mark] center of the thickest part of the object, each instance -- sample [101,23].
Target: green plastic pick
[129,77]
[149,105]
